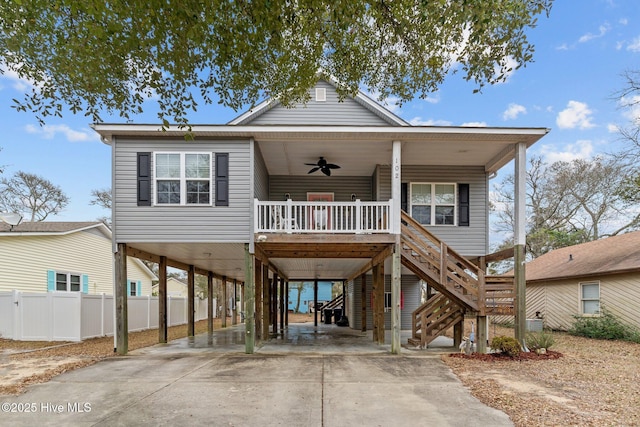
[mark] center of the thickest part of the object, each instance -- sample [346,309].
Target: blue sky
[581,51]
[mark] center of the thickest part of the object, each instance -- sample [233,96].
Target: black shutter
[463,205]
[144,179]
[222,179]
[404,197]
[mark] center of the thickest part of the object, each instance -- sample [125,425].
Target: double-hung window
[68,282]
[183,178]
[433,204]
[590,298]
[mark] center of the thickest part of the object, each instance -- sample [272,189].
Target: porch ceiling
[357,149]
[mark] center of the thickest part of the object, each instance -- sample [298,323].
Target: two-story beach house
[331,190]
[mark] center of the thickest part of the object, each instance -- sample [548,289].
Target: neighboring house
[306,296]
[579,280]
[64,256]
[175,288]
[262,189]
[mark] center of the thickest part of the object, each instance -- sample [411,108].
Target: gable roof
[52,227]
[611,255]
[361,98]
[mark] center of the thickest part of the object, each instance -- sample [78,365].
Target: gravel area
[593,383]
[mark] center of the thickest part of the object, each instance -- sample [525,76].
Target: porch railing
[322,217]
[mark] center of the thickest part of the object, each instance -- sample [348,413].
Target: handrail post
[288,216]
[358,208]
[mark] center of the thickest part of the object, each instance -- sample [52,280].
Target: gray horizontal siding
[333,111]
[298,186]
[261,176]
[134,223]
[469,241]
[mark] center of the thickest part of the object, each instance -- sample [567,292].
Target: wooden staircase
[460,284]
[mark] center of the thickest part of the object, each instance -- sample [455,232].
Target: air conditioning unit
[534,325]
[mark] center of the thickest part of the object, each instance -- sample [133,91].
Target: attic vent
[321,94]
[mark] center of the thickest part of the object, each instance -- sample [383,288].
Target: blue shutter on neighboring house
[139,288]
[51,280]
[85,284]
[128,287]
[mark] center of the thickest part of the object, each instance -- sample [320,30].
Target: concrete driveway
[190,383]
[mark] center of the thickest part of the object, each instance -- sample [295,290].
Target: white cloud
[513,111]
[563,46]
[613,128]
[582,149]
[623,21]
[16,82]
[50,131]
[576,115]
[634,46]
[631,108]
[474,124]
[603,29]
[511,63]
[418,121]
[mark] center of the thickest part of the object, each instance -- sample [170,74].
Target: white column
[519,238]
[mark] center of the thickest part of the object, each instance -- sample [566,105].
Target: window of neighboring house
[183,178]
[68,282]
[133,288]
[433,204]
[590,297]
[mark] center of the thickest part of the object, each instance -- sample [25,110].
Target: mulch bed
[494,357]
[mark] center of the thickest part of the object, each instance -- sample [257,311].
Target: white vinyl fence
[74,316]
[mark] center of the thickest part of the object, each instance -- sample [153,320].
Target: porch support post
[286,304]
[378,303]
[210,313]
[481,319]
[266,302]
[224,301]
[363,290]
[315,302]
[234,306]
[457,333]
[281,306]
[191,283]
[122,321]
[249,301]
[519,242]
[274,303]
[162,300]
[396,281]
[258,289]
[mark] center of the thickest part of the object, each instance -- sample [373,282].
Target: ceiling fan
[323,166]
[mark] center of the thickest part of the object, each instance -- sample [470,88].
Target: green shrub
[507,345]
[536,340]
[606,326]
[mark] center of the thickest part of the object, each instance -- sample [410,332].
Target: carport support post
[378,303]
[234,306]
[457,333]
[286,303]
[363,290]
[266,302]
[258,289]
[191,284]
[281,307]
[122,323]
[274,303]
[519,242]
[210,313]
[396,280]
[224,301]
[315,302]
[249,301]
[162,300]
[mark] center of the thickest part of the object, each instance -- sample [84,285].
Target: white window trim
[433,204]
[68,274]
[183,179]
[581,299]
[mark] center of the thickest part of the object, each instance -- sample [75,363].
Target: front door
[320,215]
